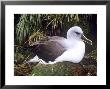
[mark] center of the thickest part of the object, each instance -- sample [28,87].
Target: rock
[59,69]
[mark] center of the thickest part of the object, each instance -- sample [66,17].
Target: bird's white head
[76,33]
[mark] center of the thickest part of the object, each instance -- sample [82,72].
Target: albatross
[59,49]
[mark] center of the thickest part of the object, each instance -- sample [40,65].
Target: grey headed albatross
[58,49]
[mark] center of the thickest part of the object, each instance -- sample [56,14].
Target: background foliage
[27,25]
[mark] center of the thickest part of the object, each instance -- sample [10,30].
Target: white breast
[74,54]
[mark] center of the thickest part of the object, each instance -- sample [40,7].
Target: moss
[58,69]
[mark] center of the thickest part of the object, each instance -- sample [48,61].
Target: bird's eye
[77,33]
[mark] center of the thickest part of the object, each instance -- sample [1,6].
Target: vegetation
[30,28]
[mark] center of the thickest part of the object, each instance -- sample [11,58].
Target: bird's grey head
[77,34]
[74,33]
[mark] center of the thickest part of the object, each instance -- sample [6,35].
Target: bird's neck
[71,43]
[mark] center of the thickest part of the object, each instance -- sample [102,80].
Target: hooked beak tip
[86,40]
[91,43]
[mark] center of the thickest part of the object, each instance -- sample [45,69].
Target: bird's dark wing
[48,51]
